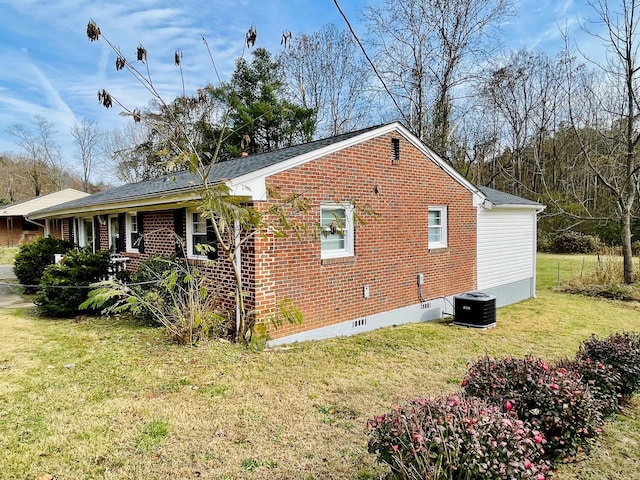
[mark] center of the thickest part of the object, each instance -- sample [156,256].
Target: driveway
[9,297]
[6,272]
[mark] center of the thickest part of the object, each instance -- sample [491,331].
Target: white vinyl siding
[506,246]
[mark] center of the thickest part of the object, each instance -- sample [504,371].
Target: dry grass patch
[111,399]
[7,255]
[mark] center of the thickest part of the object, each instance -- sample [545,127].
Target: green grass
[111,399]
[7,254]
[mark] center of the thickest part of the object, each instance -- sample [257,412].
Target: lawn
[111,399]
[7,254]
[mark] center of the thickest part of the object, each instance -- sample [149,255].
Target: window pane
[198,234]
[199,224]
[198,240]
[88,232]
[435,218]
[435,234]
[113,223]
[333,222]
[337,217]
[333,242]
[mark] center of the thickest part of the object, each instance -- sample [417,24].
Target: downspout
[238,261]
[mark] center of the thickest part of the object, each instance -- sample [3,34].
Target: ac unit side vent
[360,322]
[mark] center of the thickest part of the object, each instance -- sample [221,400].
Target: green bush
[62,291]
[33,257]
[622,352]
[456,438]
[553,400]
[568,242]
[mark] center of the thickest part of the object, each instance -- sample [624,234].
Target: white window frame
[82,238]
[348,250]
[112,235]
[190,233]
[129,229]
[442,228]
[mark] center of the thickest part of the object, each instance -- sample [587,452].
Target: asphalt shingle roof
[181,181]
[500,198]
[185,181]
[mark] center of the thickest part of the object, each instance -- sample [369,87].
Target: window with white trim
[133,233]
[85,231]
[337,232]
[199,233]
[114,233]
[437,224]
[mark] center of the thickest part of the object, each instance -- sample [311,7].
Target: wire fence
[17,286]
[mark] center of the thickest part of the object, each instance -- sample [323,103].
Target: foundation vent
[361,322]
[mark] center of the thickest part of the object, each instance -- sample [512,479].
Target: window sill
[337,260]
[439,250]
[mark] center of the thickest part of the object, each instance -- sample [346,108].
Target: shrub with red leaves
[622,352]
[457,437]
[551,399]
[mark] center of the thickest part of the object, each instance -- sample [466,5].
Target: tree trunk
[627,253]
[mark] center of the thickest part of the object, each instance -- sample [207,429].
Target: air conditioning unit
[474,309]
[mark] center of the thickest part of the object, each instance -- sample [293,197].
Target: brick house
[17,225]
[402,265]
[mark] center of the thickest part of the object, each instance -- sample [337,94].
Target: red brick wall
[159,239]
[13,234]
[389,251]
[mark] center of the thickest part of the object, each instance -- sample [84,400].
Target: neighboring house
[435,235]
[16,224]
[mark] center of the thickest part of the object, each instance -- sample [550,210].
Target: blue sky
[49,68]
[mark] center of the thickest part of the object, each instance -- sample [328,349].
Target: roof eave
[514,206]
[134,203]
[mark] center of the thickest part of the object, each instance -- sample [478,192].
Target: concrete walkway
[9,296]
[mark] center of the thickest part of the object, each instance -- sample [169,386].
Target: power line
[366,55]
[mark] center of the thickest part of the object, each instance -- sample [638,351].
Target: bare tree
[328,74]
[87,137]
[121,147]
[41,152]
[605,117]
[426,52]
[525,94]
